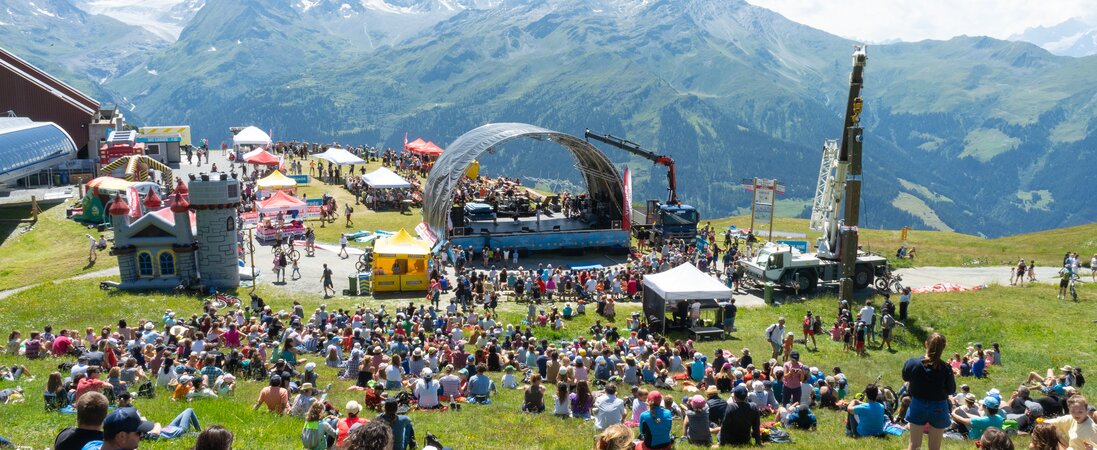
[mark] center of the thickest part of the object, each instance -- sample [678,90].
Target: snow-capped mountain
[55,34]
[163,18]
[1074,37]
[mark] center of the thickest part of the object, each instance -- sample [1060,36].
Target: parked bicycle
[220,300]
[889,282]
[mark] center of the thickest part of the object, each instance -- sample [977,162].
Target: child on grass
[509,381]
[787,347]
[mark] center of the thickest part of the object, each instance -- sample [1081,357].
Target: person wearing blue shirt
[403,434]
[978,366]
[479,386]
[655,423]
[697,367]
[990,418]
[801,417]
[867,418]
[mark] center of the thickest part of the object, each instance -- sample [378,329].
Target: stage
[526,225]
[527,234]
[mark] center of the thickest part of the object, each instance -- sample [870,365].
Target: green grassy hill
[946,248]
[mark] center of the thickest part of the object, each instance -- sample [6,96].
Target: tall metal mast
[850,156]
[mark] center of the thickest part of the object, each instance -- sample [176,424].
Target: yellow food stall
[400,263]
[275,182]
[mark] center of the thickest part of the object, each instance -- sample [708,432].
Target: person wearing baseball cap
[990,418]
[795,374]
[122,429]
[742,421]
[655,424]
[426,390]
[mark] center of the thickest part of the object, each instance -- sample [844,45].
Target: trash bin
[768,293]
[352,281]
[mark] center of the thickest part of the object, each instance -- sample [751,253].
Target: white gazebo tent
[683,283]
[340,156]
[385,179]
[249,138]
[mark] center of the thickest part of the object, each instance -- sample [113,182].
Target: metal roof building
[30,92]
[28,147]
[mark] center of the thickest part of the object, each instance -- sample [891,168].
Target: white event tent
[685,282]
[250,137]
[384,178]
[340,156]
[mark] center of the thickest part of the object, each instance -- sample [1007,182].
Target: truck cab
[678,221]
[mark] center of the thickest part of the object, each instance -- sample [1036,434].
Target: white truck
[789,268]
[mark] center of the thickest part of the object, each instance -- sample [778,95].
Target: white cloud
[913,20]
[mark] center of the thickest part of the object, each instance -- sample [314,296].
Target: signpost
[762,205]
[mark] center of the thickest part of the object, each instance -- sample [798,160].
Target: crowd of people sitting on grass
[426,358]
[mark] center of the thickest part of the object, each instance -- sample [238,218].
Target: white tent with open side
[685,282]
[340,156]
[385,179]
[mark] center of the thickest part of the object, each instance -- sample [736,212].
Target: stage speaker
[457,216]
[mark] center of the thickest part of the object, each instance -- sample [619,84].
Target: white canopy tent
[682,283]
[341,157]
[251,136]
[247,139]
[385,179]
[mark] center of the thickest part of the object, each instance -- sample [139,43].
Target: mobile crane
[837,258]
[674,220]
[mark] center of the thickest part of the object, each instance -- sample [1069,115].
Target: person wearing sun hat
[122,429]
[347,423]
[306,396]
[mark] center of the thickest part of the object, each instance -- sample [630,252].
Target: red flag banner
[626,214]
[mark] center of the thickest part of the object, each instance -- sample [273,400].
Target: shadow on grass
[11,215]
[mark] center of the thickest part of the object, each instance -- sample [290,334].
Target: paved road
[968,276]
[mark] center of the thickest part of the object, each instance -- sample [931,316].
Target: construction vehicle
[837,257]
[670,220]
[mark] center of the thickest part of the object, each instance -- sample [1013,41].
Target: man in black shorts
[326,278]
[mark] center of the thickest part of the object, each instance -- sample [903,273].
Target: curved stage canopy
[603,181]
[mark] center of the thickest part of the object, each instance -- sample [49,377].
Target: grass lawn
[1036,331]
[55,248]
[942,248]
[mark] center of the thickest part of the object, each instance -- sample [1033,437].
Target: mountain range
[970,134]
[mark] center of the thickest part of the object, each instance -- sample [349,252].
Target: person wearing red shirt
[61,344]
[352,419]
[90,383]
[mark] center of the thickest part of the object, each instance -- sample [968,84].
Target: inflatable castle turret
[214,198]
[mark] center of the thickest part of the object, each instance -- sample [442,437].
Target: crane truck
[672,220]
[837,257]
